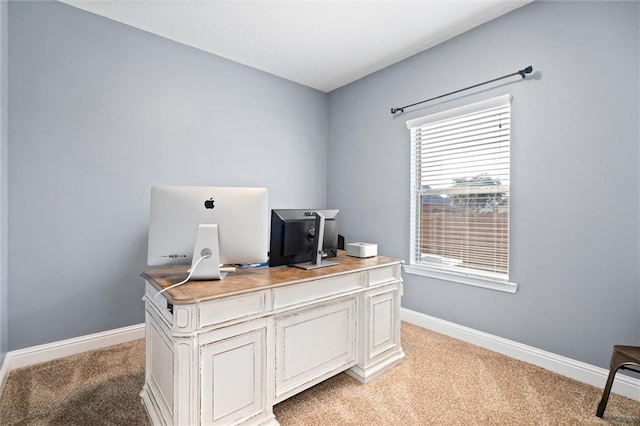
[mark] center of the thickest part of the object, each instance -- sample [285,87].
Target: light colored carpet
[442,381]
[100,387]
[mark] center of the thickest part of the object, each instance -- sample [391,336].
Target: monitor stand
[206,243]
[316,261]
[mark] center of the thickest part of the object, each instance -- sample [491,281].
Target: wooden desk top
[252,279]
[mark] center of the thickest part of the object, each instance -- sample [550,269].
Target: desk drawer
[383,275]
[230,308]
[301,293]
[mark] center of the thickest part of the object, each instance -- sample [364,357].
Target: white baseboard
[577,370]
[4,372]
[47,352]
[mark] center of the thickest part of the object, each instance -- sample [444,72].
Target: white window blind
[460,189]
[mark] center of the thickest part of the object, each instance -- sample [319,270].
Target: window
[460,194]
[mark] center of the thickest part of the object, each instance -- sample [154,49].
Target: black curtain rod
[522,73]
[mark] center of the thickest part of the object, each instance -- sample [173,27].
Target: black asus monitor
[293,237]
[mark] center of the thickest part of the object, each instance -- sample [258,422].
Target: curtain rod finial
[394,110]
[527,70]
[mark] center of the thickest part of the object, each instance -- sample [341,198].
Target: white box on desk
[362,249]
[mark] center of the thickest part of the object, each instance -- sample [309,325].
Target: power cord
[195,265]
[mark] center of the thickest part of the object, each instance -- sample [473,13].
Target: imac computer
[207,227]
[303,238]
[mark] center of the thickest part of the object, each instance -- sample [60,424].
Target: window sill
[473,280]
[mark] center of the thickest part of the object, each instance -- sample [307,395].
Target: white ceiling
[320,44]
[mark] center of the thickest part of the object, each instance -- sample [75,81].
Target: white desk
[232,349]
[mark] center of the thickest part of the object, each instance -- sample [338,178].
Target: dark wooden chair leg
[607,390]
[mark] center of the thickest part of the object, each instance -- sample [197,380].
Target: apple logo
[208,204]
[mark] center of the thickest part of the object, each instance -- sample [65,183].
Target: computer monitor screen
[241,216]
[293,234]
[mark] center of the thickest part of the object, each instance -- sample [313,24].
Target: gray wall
[98,113]
[4,316]
[575,172]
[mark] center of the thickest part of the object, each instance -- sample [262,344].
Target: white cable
[193,268]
